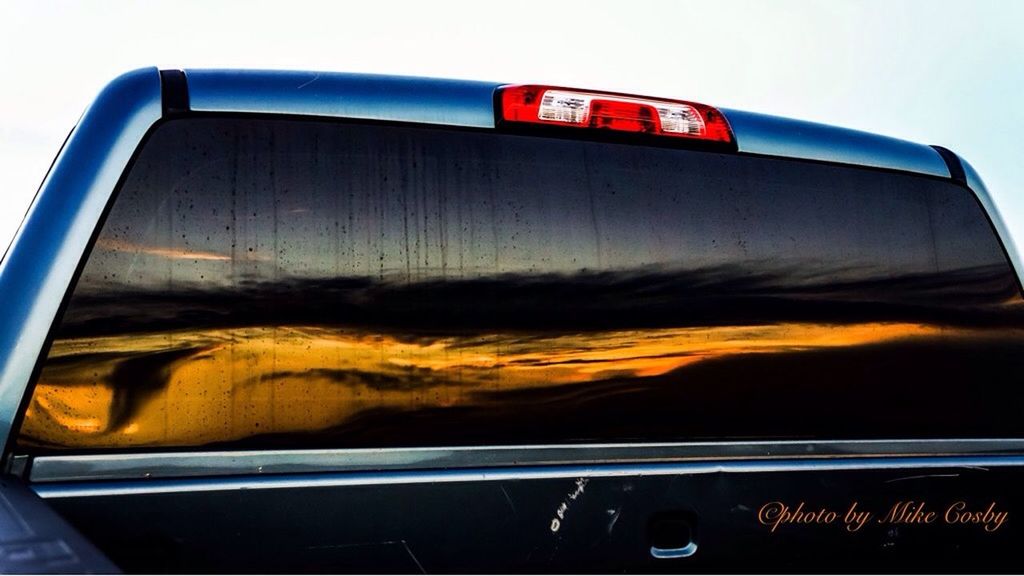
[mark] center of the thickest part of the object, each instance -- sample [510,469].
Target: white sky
[938,72]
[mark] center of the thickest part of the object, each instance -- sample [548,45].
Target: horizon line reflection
[189,388]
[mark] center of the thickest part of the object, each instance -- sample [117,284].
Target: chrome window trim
[47,249]
[179,465]
[330,480]
[768,135]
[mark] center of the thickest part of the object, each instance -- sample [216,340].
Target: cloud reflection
[191,388]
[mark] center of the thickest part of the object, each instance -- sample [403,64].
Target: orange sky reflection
[229,384]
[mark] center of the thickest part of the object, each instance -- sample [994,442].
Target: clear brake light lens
[606,110]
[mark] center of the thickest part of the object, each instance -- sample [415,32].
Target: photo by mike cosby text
[855,516]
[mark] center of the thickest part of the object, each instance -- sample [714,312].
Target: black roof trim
[956,169]
[174,92]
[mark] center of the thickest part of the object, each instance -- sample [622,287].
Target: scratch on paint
[413,556]
[363,544]
[304,84]
[614,513]
[563,507]
[922,476]
[508,499]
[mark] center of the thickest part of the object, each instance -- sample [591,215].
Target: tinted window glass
[272,283]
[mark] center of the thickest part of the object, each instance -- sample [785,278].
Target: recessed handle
[684,552]
[672,535]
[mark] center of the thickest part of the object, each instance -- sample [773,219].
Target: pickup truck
[263,321]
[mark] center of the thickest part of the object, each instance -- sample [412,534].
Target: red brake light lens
[605,110]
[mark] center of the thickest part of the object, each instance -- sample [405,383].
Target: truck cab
[262,321]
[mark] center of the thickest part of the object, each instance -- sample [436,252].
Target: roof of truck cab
[471,104]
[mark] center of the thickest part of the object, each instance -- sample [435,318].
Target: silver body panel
[47,250]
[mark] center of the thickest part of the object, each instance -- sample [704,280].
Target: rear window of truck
[274,283]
